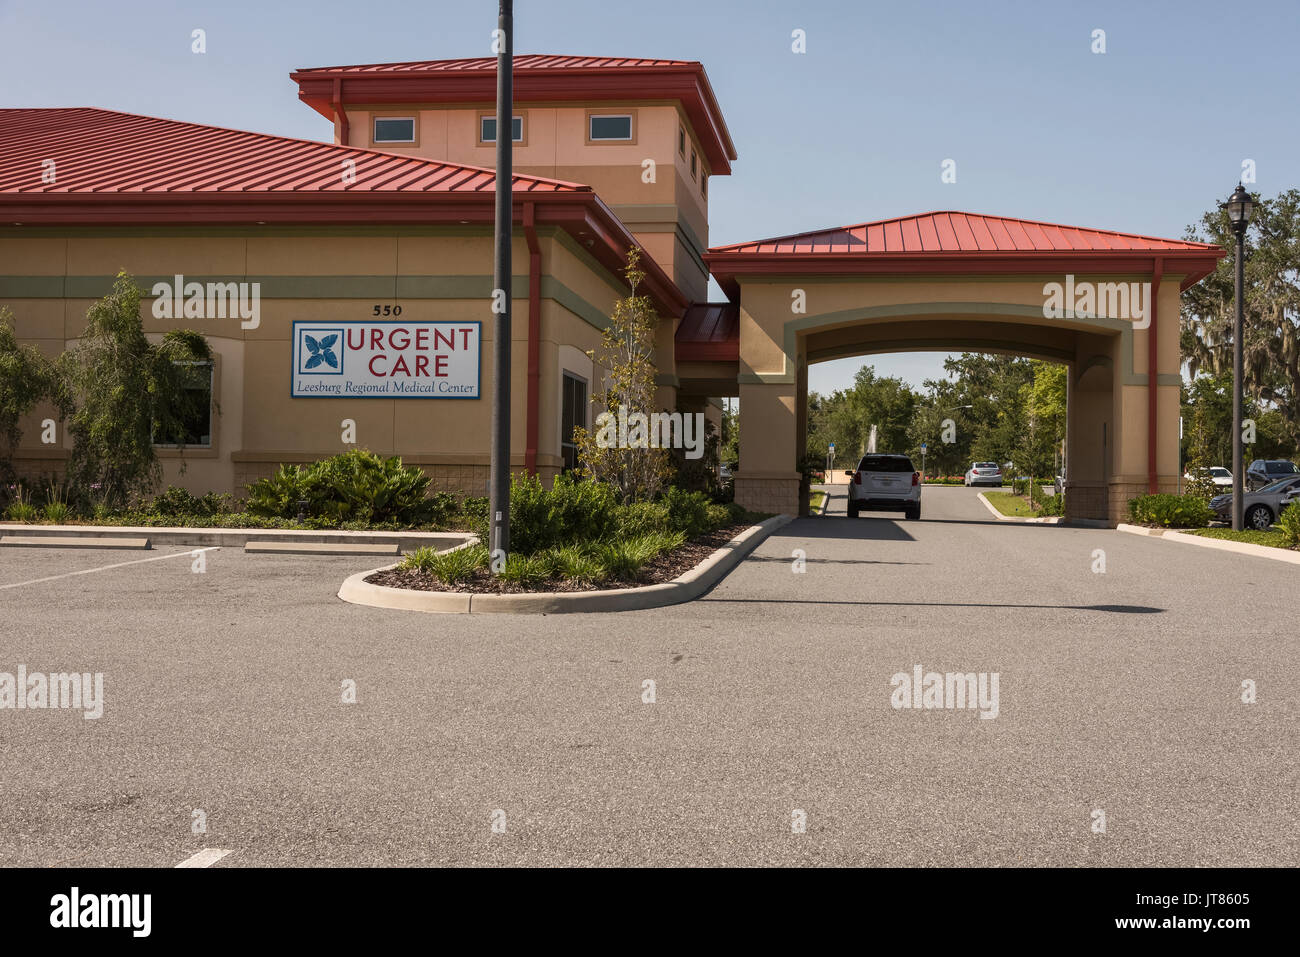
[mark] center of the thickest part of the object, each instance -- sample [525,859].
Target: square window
[487,129]
[610,127]
[394,129]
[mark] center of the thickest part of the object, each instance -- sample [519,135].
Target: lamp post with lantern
[1240,207]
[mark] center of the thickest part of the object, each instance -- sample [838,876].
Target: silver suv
[885,483]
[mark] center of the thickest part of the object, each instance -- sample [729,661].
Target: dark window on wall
[681,140]
[488,129]
[692,162]
[573,414]
[196,427]
[610,127]
[394,129]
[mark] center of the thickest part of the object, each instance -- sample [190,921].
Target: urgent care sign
[386,360]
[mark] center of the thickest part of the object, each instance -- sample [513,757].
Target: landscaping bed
[1273,538]
[664,567]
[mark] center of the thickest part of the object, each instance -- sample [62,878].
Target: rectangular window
[487,129]
[573,415]
[196,416]
[704,186]
[692,162]
[605,126]
[681,141]
[394,129]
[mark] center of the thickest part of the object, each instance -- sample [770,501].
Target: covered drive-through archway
[1105,303]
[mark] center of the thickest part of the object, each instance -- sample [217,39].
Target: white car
[1220,476]
[984,473]
[885,483]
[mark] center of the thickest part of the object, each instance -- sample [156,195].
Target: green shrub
[1170,511]
[20,507]
[451,567]
[570,511]
[357,485]
[625,559]
[176,502]
[1289,523]
[526,571]
[1052,504]
[688,512]
[577,564]
[640,518]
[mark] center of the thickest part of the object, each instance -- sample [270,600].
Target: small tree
[26,378]
[129,394]
[634,467]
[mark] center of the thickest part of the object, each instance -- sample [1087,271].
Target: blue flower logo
[322,351]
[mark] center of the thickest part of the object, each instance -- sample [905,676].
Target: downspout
[533,419]
[1153,384]
[340,114]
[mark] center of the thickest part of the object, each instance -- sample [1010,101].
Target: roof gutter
[340,114]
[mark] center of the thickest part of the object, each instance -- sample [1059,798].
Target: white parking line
[205,858]
[103,568]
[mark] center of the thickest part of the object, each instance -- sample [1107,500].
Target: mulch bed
[662,568]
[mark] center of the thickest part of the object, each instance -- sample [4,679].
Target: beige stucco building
[358,251]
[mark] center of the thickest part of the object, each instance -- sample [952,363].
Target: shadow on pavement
[828,561]
[1114,609]
[860,529]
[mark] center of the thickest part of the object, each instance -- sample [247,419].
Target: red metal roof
[537,78]
[103,151]
[122,169]
[952,231]
[956,243]
[709,332]
[523,63]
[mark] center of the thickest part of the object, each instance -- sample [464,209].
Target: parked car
[1218,475]
[885,483]
[1260,508]
[984,473]
[1267,471]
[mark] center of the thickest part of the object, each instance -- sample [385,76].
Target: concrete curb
[322,548]
[239,537]
[82,541]
[1044,520]
[1223,545]
[685,587]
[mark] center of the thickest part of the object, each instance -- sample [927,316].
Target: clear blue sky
[1142,138]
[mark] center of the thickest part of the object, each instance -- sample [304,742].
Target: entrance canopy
[1102,301]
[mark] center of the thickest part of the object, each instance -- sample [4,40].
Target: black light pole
[499,478]
[1240,206]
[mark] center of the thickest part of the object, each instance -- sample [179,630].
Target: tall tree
[129,394]
[1271,340]
[636,468]
[26,378]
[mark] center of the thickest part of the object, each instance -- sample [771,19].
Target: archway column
[773,412]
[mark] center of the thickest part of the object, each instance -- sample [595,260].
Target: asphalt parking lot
[1120,692]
